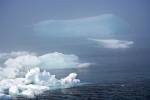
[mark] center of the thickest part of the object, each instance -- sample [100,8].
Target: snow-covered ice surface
[21,74]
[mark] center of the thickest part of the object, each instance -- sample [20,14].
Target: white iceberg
[23,74]
[34,83]
[113,43]
[101,25]
[19,65]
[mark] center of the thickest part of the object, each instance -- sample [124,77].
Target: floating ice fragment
[70,80]
[113,43]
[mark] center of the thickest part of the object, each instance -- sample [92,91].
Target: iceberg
[20,64]
[34,83]
[113,43]
[24,74]
[101,25]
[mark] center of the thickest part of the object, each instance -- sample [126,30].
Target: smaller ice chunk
[84,65]
[113,43]
[70,80]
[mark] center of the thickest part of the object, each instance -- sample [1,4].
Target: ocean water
[121,74]
[139,90]
[114,74]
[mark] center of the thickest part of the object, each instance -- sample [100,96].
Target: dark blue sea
[114,74]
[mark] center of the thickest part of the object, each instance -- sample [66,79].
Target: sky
[18,17]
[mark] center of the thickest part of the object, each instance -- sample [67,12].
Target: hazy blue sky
[17,17]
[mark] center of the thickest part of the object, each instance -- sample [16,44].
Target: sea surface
[139,90]
[114,74]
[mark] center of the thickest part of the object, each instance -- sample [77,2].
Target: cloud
[18,65]
[113,43]
[90,26]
